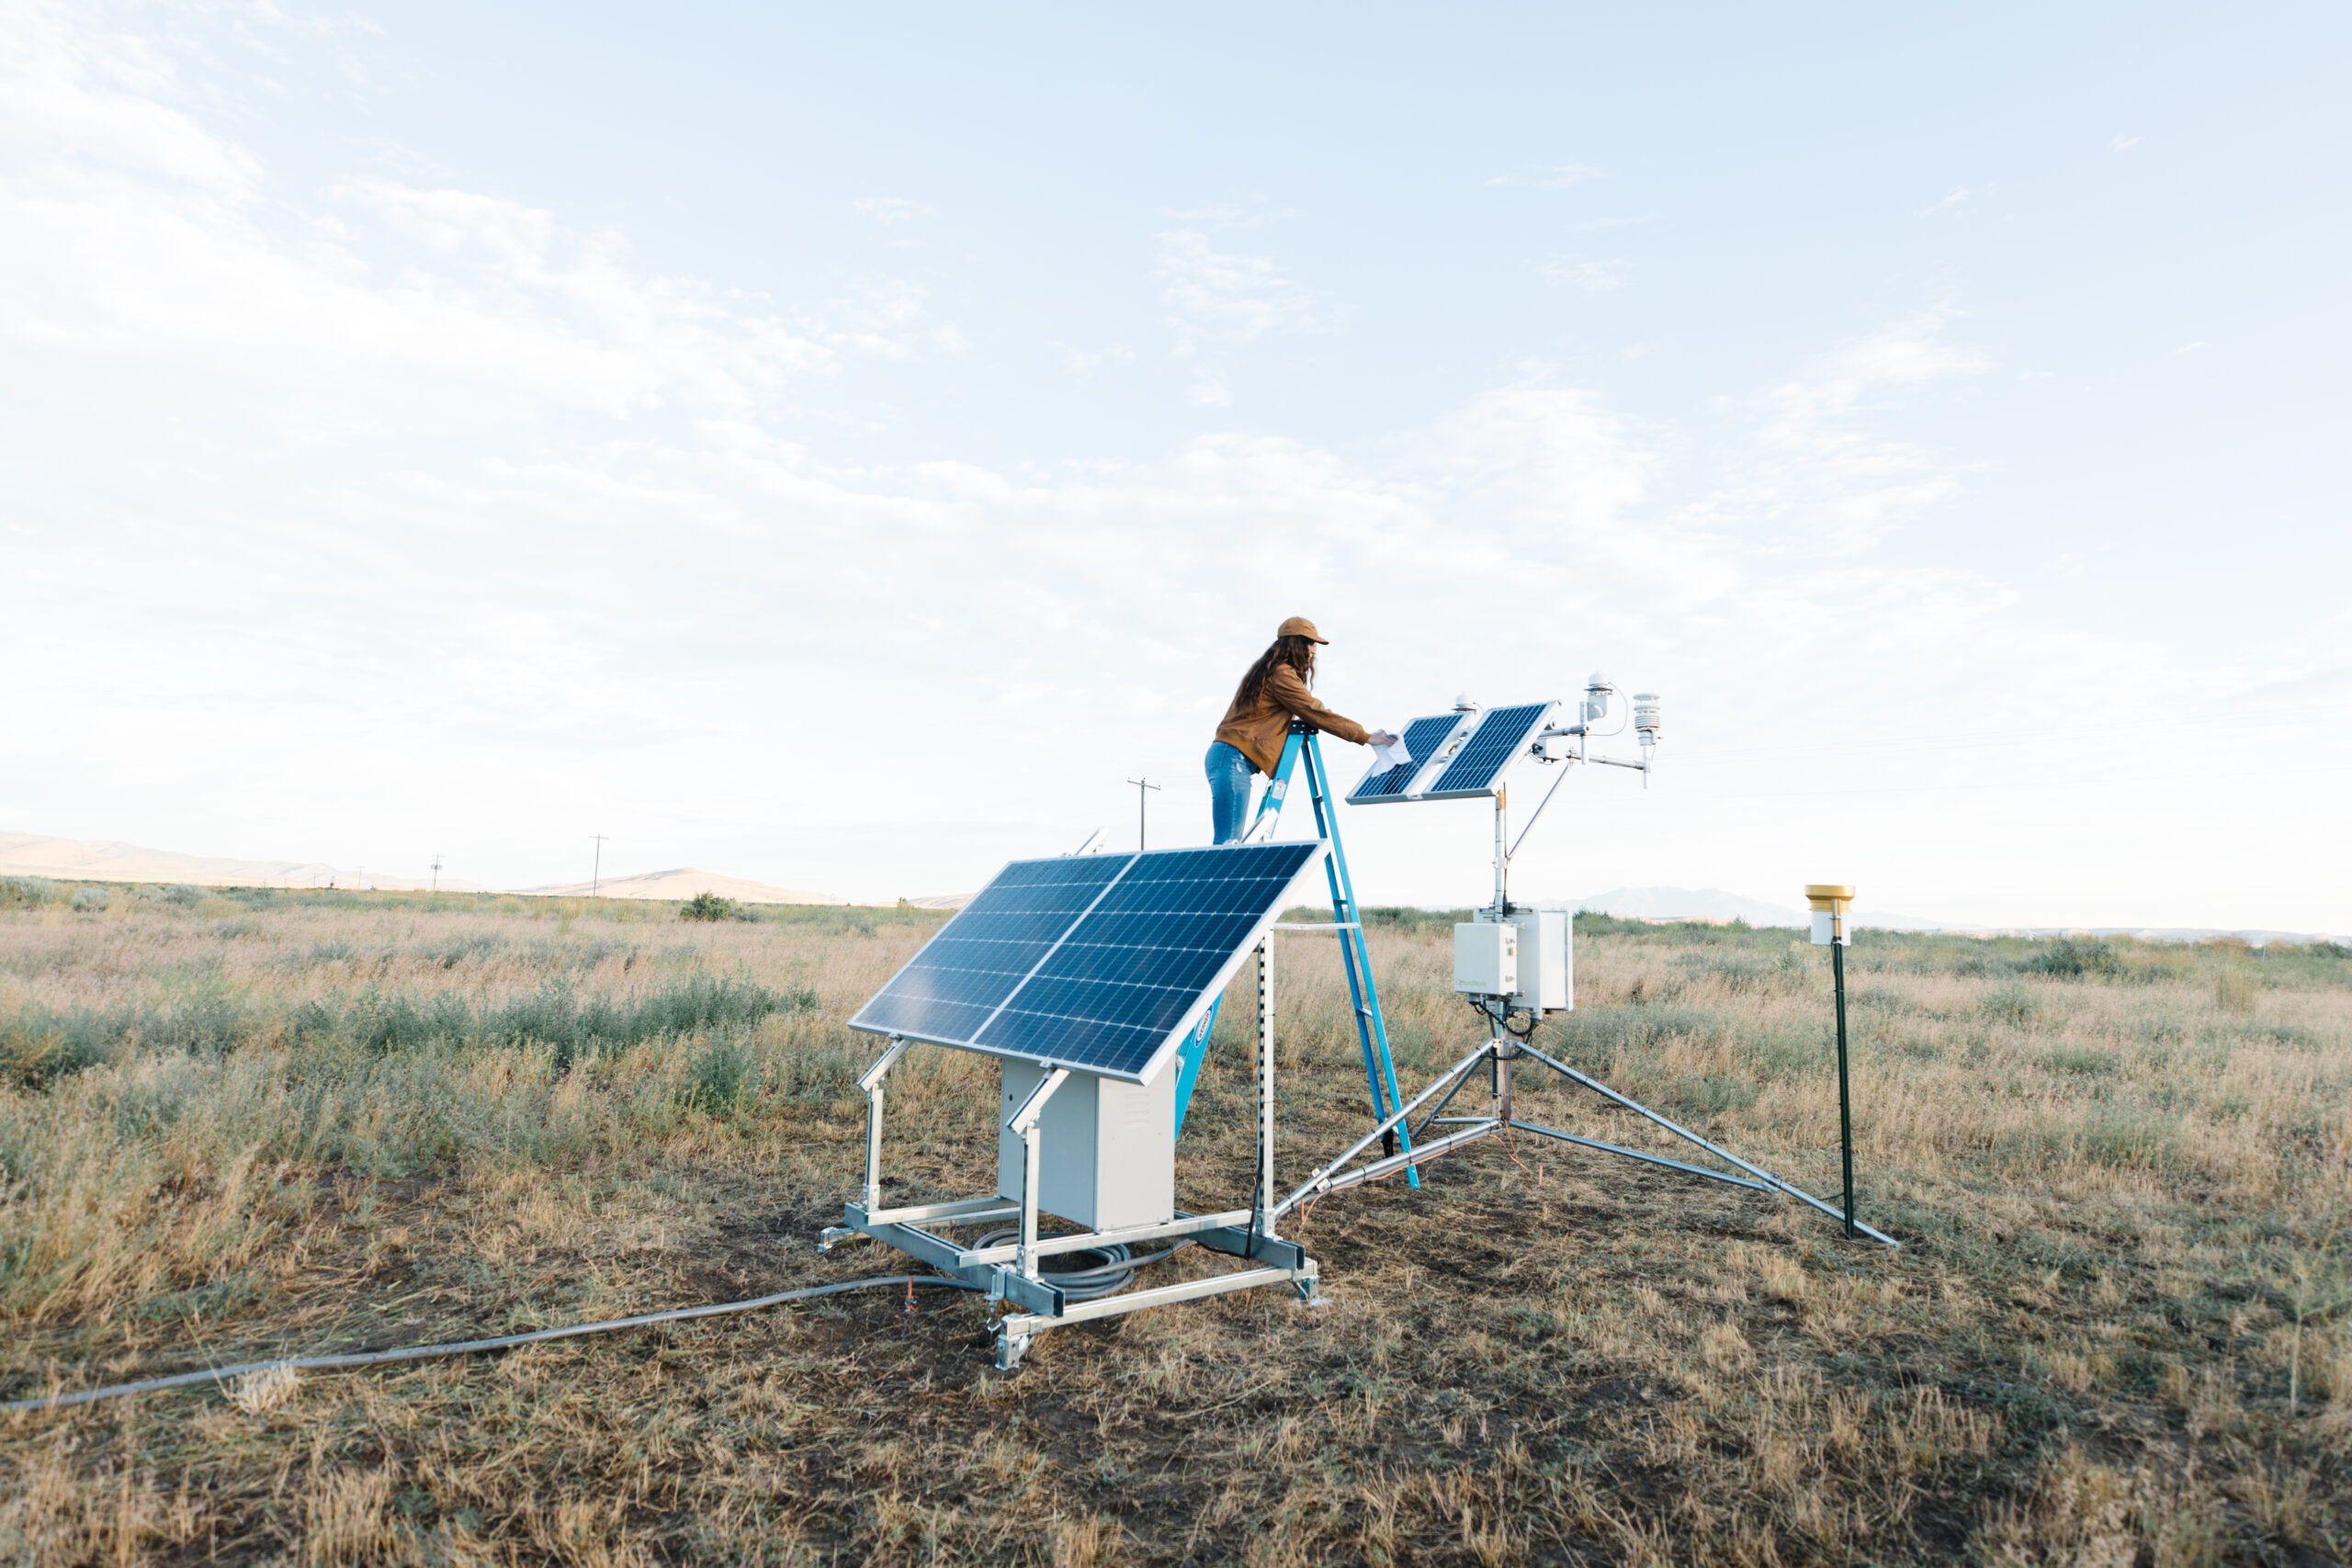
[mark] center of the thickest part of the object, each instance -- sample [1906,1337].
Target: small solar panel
[1423,739]
[1500,740]
[1125,971]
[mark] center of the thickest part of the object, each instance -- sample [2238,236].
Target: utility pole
[596,878]
[436,871]
[1141,785]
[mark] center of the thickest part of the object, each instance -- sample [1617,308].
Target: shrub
[2011,1004]
[2234,990]
[37,1046]
[1594,1032]
[36,1050]
[91,899]
[448,954]
[2071,958]
[1736,972]
[1415,921]
[722,1071]
[28,892]
[2124,1139]
[706,906]
[1710,1094]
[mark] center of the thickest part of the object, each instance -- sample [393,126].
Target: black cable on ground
[474,1347]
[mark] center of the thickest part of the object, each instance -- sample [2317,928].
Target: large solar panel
[1500,742]
[1423,739]
[1116,955]
[967,972]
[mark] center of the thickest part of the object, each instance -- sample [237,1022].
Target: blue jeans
[1229,775]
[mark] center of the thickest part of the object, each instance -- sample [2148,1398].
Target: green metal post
[1845,1097]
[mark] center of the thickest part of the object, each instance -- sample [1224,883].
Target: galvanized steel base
[1013,1273]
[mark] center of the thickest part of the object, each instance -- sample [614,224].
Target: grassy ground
[238,1125]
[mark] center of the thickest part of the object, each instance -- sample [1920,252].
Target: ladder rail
[1371,1022]
[1355,951]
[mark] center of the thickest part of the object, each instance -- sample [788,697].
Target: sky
[840,446]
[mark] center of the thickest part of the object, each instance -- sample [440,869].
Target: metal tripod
[1501,1052]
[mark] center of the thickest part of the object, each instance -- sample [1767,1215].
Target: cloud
[1817,475]
[1212,297]
[1594,277]
[2121,143]
[1954,199]
[133,228]
[1551,176]
[1080,361]
[891,209]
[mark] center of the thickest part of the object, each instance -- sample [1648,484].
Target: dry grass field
[240,1125]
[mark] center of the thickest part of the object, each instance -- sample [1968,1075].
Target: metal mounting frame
[1014,1275]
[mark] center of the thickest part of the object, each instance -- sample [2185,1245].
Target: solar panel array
[1493,748]
[1422,739]
[1095,962]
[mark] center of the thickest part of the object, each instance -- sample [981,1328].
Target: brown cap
[1299,625]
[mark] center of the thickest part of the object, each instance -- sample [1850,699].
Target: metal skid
[1013,1273]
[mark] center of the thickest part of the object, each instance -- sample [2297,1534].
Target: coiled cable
[1091,1273]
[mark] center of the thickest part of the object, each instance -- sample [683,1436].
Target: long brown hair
[1298,652]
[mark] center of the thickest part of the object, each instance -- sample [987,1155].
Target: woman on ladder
[1250,741]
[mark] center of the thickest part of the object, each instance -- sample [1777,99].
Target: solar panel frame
[1086,1002]
[1436,733]
[1504,736]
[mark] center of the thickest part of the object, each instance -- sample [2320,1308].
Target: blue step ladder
[1347,919]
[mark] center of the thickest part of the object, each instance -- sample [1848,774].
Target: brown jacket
[1257,729]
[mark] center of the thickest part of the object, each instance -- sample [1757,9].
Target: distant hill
[682,883]
[75,860]
[944,901]
[1681,904]
[1714,904]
